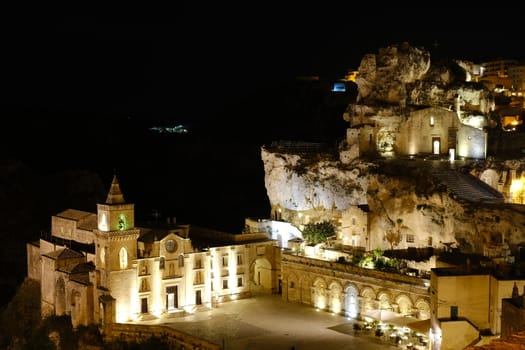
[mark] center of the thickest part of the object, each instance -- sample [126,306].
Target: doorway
[436,145]
[172,298]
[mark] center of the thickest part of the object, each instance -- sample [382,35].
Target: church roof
[115,195]
[81,268]
[64,253]
[74,214]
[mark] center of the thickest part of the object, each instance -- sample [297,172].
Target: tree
[318,232]
[21,315]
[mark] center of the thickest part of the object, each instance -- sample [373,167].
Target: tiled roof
[64,253]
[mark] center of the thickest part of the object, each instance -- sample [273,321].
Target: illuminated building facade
[430,131]
[101,268]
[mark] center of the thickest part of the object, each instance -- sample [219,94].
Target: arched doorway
[351,302]
[335,297]
[436,145]
[319,294]
[262,274]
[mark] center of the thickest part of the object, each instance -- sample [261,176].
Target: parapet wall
[134,333]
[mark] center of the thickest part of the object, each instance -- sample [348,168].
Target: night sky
[162,61]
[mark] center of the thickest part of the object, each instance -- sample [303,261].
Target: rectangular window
[239,281]
[429,241]
[292,285]
[225,260]
[410,238]
[239,259]
[225,284]
[431,120]
[198,278]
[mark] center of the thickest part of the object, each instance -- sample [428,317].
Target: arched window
[102,257]
[122,222]
[123,258]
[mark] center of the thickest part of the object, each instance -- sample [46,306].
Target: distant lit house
[100,267]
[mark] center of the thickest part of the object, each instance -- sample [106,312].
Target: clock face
[171,245]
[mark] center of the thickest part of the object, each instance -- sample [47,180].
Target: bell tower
[115,214]
[116,242]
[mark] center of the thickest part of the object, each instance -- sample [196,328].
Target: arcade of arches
[324,286]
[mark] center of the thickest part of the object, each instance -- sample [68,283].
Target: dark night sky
[164,60]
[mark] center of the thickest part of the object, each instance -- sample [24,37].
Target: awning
[387,316]
[420,326]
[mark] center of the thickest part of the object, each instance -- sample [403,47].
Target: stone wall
[302,277]
[139,333]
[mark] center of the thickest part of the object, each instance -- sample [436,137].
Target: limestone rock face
[427,211]
[296,183]
[402,76]
[401,93]
[398,64]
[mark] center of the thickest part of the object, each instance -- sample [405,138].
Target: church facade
[100,267]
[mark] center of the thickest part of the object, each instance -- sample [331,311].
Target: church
[100,268]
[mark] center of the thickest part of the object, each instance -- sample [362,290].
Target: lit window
[123,258]
[431,120]
[122,224]
[197,278]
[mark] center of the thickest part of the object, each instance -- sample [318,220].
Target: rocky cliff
[406,203]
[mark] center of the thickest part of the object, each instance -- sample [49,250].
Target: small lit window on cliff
[431,120]
[410,239]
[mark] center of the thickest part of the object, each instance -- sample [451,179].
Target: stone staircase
[467,187]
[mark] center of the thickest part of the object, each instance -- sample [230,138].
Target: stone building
[469,301]
[101,267]
[513,313]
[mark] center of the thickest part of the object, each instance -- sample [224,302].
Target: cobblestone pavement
[268,322]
